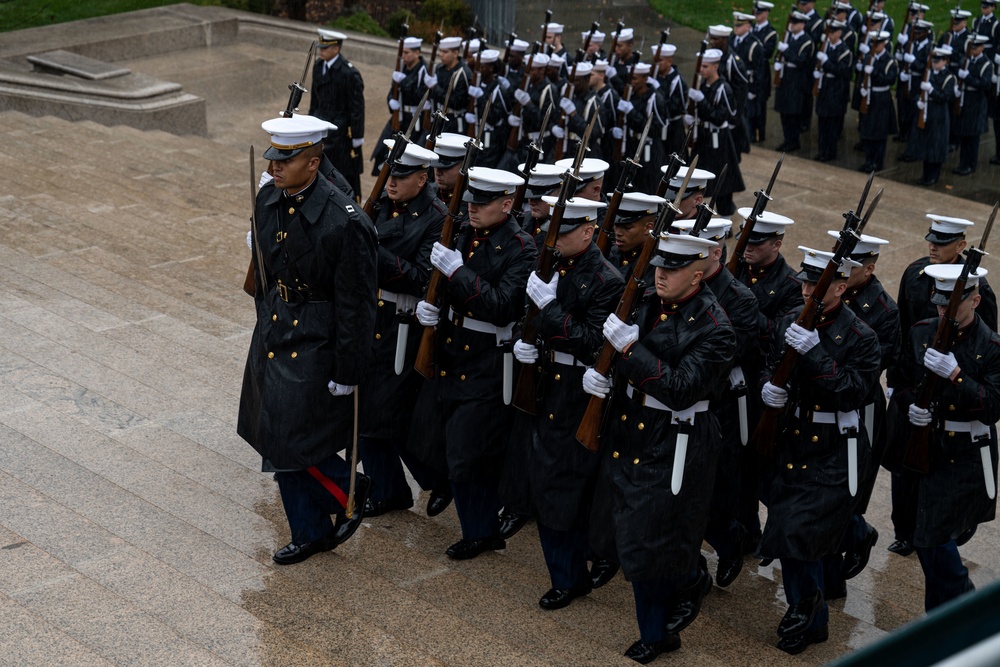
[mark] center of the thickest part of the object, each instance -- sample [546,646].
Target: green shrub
[394,22]
[452,12]
[359,21]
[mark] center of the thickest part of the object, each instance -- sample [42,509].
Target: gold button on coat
[270,355]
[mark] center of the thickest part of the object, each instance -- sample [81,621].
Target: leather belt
[791,65]
[564,359]
[386,295]
[292,295]
[880,89]
[409,109]
[502,333]
[650,402]
[977,428]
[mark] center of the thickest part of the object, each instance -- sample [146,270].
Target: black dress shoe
[466,549]
[689,603]
[966,536]
[602,571]
[927,182]
[962,171]
[380,507]
[347,527]
[901,547]
[646,653]
[511,523]
[835,591]
[296,553]
[557,598]
[795,645]
[798,618]
[995,159]
[728,570]
[438,502]
[750,542]
[855,561]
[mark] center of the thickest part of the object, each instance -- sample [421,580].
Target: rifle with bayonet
[514,138]
[395,85]
[438,36]
[474,128]
[424,363]
[606,230]
[918,451]
[563,144]
[674,164]
[780,58]
[255,282]
[524,397]
[664,36]
[506,53]
[613,55]
[297,88]
[692,108]
[619,146]
[440,117]
[736,260]
[399,145]
[911,16]
[765,437]
[545,31]
[535,153]
[588,433]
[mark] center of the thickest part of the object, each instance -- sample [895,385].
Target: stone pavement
[136,528]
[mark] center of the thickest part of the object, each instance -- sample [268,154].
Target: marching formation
[536,313]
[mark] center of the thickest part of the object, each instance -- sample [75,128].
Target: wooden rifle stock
[545,31]
[628,168]
[905,92]
[863,106]
[825,43]
[472,130]
[673,167]
[395,86]
[612,55]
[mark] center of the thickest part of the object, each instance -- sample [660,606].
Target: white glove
[864,92]
[921,105]
[653,83]
[958,93]
[250,239]
[617,133]
[888,393]
[445,260]
[926,85]
[817,74]
[394,105]
[525,353]
[612,72]
[900,55]
[963,73]
[822,57]
[398,77]
[558,132]
[688,119]
[427,315]
[430,81]
[619,334]
[470,118]
[522,97]
[625,106]
[541,292]
[801,339]
[504,82]
[265,178]
[859,66]
[356,143]
[904,77]
[864,48]
[778,67]
[909,57]
[428,106]
[995,78]
[567,106]
[864,28]
[596,384]
[782,46]
[476,91]
[774,397]
[902,39]
[942,365]
[696,95]
[996,59]
[869,69]
[919,416]
[513,121]
[751,96]
[340,389]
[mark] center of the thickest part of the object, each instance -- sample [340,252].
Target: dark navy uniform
[989,26]
[543,95]
[653,153]
[496,130]
[880,120]
[834,95]
[768,38]
[908,88]
[751,55]
[458,101]
[674,91]
[715,146]
[411,90]
[972,121]
[796,86]
[930,144]
[338,95]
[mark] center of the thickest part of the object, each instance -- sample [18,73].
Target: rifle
[674,164]
[696,83]
[440,117]
[866,84]
[924,97]
[606,230]
[535,152]
[588,433]
[395,86]
[905,92]
[918,451]
[297,88]
[524,397]
[760,203]
[960,100]
[473,130]
[707,211]
[765,437]
[561,146]
[256,281]
[514,138]
[780,58]
[619,148]
[612,57]
[426,123]
[664,35]
[506,53]
[401,139]
[825,43]
[545,31]
[424,363]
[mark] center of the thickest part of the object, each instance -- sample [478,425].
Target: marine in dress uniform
[946,240]
[634,222]
[409,82]
[934,99]
[879,71]
[646,101]
[911,54]
[452,67]
[461,424]
[573,305]
[450,150]
[338,95]
[543,180]
[312,341]
[796,81]
[662,444]
[835,65]
[809,499]
[716,116]
[768,38]
[408,220]
[972,119]
[959,492]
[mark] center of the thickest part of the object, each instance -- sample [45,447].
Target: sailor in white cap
[555,47]
[934,99]
[544,180]
[959,490]
[451,67]
[695,192]
[879,72]
[737,67]
[716,117]
[959,35]
[672,357]
[575,111]
[337,95]
[911,54]
[408,220]
[832,76]
[573,305]
[822,439]
[494,136]
[768,37]
[528,112]
[607,100]
[409,82]
[595,49]
[795,64]
[645,102]
[672,88]
[556,70]
[592,171]
[975,78]
[462,417]
[621,61]
[316,264]
[514,69]
[634,221]
[986,24]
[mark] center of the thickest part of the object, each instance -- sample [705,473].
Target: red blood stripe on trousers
[328,485]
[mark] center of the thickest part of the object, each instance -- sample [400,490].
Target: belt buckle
[283,292]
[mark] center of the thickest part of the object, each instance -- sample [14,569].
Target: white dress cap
[674,251]
[519,46]
[946,276]
[486,184]
[290,136]
[720,30]
[450,43]
[814,262]
[712,56]
[554,28]
[715,231]
[489,56]
[868,246]
[591,169]
[699,180]
[584,69]
[330,37]
[626,35]
[412,43]
[539,60]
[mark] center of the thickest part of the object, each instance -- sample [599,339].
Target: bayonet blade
[416,114]
[581,150]
[684,183]
[642,139]
[989,227]
[774,176]
[868,213]
[718,184]
[864,194]
[451,87]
